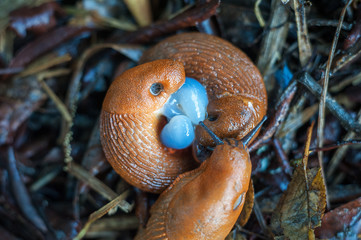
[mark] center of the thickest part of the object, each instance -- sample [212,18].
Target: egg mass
[184,109]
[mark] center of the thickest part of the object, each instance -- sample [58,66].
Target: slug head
[145,88]
[230,117]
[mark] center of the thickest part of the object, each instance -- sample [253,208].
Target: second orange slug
[206,202]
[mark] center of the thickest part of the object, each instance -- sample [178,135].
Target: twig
[304,46]
[188,18]
[337,110]
[45,65]
[58,103]
[297,120]
[97,185]
[100,213]
[341,152]
[258,13]
[344,83]
[261,220]
[277,118]
[44,44]
[328,23]
[346,57]
[335,145]
[321,116]
[42,181]
[282,157]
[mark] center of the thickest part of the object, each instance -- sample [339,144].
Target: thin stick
[346,120]
[258,13]
[321,116]
[304,45]
[97,185]
[58,103]
[100,213]
[341,152]
[45,65]
[335,145]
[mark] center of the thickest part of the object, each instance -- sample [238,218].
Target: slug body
[235,88]
[204,203]
[131,122]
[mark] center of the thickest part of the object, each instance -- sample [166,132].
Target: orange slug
[131,120]
[206,202]
[130,123]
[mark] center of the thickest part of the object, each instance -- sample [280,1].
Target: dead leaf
[20,97]
[344,220]
[301,207]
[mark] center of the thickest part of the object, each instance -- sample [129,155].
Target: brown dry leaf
[6,6]
[301,207]
[248,206]
[20,97]
[343,222]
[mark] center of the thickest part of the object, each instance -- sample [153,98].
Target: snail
[206,202]
[131,117]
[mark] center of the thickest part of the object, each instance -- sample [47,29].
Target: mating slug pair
[203,203]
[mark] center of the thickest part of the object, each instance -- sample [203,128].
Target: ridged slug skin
[235,88]
[130,126]
[204,203]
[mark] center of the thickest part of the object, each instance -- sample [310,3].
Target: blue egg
[190,100]
[171,108]
[178,133]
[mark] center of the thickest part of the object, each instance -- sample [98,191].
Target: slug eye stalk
[215,138]
[245,141]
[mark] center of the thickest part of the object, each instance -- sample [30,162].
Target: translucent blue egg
[178,133]
[190,100]
[184,108]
